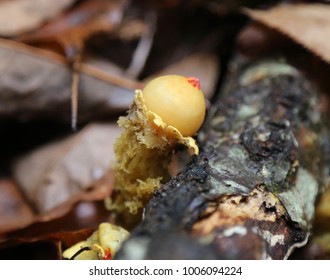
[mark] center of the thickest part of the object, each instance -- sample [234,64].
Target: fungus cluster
[163,116]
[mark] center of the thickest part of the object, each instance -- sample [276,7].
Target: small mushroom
[103,244]
[179,101]
[163,116]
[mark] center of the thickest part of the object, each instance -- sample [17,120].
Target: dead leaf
[45,245]
[82,209]
[72,29]
[45,240]
[37,84]
[14,211]
[82,215]
[18,16]
[69,238]
[257,40]
[307,24]
[62,171]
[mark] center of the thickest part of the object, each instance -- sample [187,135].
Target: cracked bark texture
[250,194]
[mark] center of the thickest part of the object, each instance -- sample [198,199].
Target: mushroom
[179,101]
[102,244]
[163,116]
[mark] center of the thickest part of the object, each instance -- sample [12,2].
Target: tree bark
[250,193]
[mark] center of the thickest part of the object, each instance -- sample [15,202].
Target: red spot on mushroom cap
[195,82]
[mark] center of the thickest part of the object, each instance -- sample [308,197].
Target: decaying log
[250,193]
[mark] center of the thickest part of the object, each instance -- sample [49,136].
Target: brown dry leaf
[71,30]
[44,246]
[62,171]
[307,24]
[14,211]
[69,238]
[204,66]
[37,84]
[257,40]
[18,16]
[82,215]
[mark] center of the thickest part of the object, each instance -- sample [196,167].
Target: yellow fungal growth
[102,244]
[163,116]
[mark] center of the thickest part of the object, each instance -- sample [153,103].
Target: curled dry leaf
[18,16]
[37,84]
[307,24]
[64,171]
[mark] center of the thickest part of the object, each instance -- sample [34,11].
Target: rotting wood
[250,194]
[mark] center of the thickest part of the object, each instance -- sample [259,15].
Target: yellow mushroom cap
[178,100]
